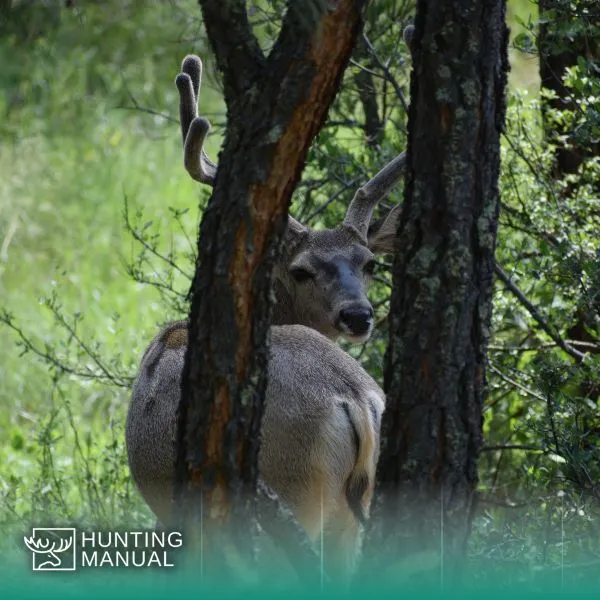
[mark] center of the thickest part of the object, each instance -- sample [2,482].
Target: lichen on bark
[442,277]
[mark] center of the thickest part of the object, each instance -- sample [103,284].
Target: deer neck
[283,309]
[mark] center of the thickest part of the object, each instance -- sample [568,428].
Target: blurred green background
[88,127]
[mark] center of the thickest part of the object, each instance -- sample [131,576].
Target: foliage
[98,220]
[542,415]
[76,143]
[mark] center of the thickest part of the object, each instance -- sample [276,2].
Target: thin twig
[511,447]
[388,74]
[535,313]
[516,384]
[103,377]
[140,239]
[537,347]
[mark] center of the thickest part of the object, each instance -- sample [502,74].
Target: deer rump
[319,436]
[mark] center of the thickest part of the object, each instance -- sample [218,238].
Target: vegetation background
[98,225]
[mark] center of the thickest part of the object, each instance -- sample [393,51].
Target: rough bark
[275,107]
[442,289]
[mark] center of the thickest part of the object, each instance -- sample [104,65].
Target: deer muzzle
[356,321]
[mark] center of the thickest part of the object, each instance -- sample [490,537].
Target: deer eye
[369,267]
[301,275]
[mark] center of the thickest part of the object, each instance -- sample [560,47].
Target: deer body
[319,442]
[322,415]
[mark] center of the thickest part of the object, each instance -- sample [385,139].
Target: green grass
[65,235]
[69,157]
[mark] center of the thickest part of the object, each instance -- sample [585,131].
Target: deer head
[44,546]
[322,277]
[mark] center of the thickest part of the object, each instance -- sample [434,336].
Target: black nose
[357,319]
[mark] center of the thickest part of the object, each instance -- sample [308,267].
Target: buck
[321,423]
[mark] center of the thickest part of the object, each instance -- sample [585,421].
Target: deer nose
[357,319]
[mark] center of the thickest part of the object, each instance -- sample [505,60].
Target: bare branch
[387,72]
[511,447]
[367,196]
[237,51]
[516,384]
[139,237]
[535,313]
[363,79]
[102,375]
[144,109]
[575,343]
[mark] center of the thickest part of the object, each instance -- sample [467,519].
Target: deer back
[319,435]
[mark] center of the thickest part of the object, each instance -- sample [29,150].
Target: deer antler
[409,38]
[367,196]
[194,128]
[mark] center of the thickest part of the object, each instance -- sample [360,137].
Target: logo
[66,549]
[53,548]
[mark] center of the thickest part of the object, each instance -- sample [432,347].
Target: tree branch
[516,384]
[387,72]
[511,447]
[536,315]
[363,79]
[238,54]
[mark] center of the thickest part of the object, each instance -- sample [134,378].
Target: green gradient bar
[19,582]
[484,580]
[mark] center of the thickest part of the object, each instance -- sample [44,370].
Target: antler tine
[367,196]
[192,65]
[188,84]
[408,34]
[194,128]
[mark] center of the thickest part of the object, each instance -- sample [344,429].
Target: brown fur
[311,453]
[176,336]
[320,431]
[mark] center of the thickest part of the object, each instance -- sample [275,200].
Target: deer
[320,431]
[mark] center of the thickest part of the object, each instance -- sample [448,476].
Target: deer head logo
[47,546]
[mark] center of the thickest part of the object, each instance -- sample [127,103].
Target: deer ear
[382,233]
[295,230]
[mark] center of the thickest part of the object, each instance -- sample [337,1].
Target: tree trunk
[275,107]
[442,289]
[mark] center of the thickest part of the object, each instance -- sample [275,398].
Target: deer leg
[341,546]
